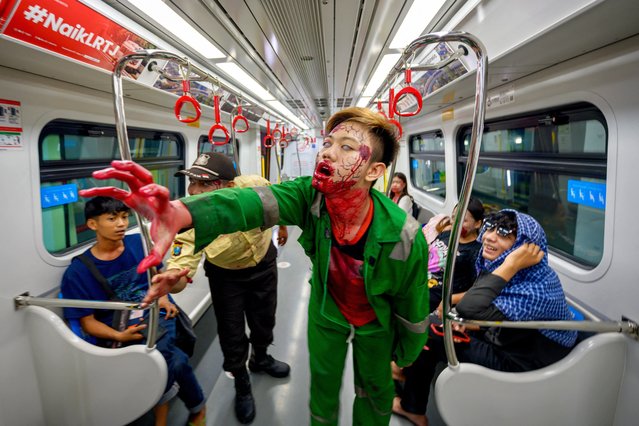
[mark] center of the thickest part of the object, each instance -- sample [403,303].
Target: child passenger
[515,284]
[368,283]
[116,256]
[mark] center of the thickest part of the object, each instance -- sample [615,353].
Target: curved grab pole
[479,113]
[125,153]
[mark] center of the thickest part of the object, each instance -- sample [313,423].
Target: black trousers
[240,297]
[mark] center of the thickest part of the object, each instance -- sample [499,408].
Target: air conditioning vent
[343,102]
[295,103]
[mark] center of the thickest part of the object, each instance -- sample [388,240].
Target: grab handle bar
[25,300]
[628,327]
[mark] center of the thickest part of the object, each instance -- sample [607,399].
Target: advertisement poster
[74,30]
[10,125]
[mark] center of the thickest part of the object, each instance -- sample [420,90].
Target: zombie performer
[368,282]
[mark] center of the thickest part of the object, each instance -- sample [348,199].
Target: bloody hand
[150,200]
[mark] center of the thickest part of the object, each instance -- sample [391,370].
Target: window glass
[551,168]
[71,151]
[427,163]
[205,146]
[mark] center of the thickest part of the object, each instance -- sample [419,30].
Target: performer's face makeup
[344,159]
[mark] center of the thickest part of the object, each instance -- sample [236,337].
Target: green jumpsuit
[394,272]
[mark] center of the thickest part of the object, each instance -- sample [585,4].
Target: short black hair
[100,205]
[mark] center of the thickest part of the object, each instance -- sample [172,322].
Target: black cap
[211,166]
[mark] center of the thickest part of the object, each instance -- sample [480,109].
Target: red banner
[72,29]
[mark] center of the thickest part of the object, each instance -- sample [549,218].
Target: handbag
[185,336]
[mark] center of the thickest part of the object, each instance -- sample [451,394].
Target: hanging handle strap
[186,98]
[409,91]
[218,125]
[240,117]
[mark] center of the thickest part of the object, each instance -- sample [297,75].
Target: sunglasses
[501,231]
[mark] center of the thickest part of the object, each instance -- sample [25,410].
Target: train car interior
[530,106]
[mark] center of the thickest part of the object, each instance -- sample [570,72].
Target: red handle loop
[399,126]
[221,127]
[279,135]
[267,138]
[304,146]
[217,125]
[240,118]
[408,90]
[186,98]
[380,109]
[283,144]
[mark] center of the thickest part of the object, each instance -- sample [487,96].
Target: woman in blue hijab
[515,283]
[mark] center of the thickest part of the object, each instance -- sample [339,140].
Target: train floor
[279,402]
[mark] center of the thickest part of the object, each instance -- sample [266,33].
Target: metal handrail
[48,302]
[473,153]
[403,62]
[196,74]
[628,327]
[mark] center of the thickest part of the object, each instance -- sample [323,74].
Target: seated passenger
[437,233]
[399,193]
[116,257]
[515,284]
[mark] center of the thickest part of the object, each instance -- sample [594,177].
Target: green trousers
[372,352]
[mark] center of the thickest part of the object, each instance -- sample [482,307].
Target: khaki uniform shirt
[238,250]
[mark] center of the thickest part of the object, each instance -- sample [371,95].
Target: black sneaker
[270,366]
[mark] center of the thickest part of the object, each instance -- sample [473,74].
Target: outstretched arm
[150,200]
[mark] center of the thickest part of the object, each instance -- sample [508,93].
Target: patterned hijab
[534,293]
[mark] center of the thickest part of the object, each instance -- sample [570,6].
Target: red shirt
[345,280]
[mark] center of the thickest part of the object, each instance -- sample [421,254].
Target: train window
[70,151]
[203,145]
[551,165]
[427,162]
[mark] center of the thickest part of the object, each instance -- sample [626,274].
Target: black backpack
[416,209]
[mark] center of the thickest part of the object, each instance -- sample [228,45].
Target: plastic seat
[76,327]
[581,389]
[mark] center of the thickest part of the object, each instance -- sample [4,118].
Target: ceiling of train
[316,55]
